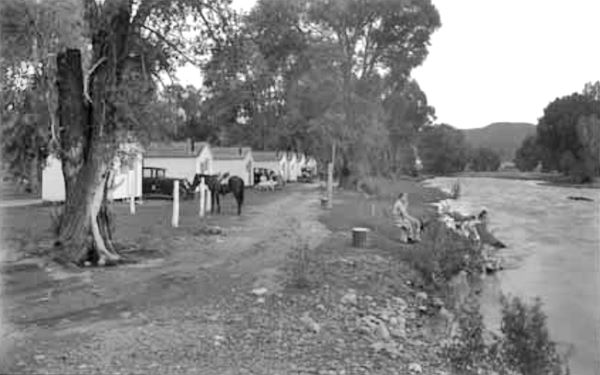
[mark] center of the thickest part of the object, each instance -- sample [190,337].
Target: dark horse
[215,184]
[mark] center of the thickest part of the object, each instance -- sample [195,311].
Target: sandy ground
[120,319]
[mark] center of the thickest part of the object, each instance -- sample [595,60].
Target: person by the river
[410,227]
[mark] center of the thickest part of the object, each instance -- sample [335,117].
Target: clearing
[186,305]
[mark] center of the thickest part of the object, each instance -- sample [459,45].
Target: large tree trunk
[87,141]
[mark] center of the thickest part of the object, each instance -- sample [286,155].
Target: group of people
[473,227]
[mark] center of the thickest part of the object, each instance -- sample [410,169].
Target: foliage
[484,159]
[528,155]
[442,255]
[442,149]
[468,352]
[503,138]
[301,75]
[563,131]
[524,347]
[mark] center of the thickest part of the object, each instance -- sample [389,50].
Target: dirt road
[156,316]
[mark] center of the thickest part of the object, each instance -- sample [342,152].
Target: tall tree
[127,44]
[563,146]
[528,156]
[443,149]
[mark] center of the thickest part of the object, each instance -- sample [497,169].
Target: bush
[524,348]
[527,347]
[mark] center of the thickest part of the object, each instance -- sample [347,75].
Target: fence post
[175,220]
[132,188]
[202,196]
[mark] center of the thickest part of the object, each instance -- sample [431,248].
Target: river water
[553,252]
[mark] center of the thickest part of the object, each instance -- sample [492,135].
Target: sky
[501,60]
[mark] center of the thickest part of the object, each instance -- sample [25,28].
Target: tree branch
[86,81]
[171,44]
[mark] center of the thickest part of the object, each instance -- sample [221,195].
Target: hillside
[502,137]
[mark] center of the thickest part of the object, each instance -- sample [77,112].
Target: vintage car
[155,184]
[306,175]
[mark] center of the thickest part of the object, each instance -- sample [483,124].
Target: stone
[349,298]
[260,300]
[421,297]
[309,323]
[320,307]
[437,302]
[415,368]
[39,357]
[259,291]
[382,332]
[125,314]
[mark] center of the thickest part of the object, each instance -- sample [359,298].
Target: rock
[421,297]
[398,327]
[382,332]
[415,368]
[260,300]
[259,291]
[125,314]
[310,324]
[39,357]
[87,263]
[399,303]
[437,302]
[423,309]
[349,298]
[320,307]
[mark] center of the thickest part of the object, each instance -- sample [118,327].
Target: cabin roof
[174,149]
[230,153]
[266,156]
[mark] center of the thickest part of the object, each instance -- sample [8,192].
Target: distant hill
[503,137]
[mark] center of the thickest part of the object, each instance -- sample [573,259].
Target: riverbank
[551,179]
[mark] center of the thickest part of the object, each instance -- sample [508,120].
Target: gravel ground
[199,308]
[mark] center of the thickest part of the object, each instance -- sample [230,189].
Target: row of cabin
[183,160]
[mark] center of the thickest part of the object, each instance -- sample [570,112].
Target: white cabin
[180,159]
[237,161]
[127,180]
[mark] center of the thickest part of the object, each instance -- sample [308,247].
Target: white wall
[236,167]
[175,167]
[53,183]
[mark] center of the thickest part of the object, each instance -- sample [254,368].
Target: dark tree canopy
[484,159]
[565,134]
[443,149]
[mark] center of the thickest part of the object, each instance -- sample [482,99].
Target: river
[553,252]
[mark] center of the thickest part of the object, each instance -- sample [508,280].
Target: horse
[234,185]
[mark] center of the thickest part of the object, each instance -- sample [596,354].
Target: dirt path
[154,317]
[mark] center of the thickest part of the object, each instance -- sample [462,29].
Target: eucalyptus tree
[101,93]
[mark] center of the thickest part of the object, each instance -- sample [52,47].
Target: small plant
[300,267]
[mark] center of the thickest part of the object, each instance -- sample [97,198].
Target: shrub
[527,347]
[467,352]
[523,348]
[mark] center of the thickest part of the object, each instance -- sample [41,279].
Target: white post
[175,220]
[207,199]
[330,178]
[202,196]
[132,191]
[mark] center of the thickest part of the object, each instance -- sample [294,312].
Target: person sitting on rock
[410,227]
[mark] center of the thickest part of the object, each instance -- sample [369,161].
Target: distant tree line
[443,149]
[567,138]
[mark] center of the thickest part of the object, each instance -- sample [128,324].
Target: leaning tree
[95,109]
